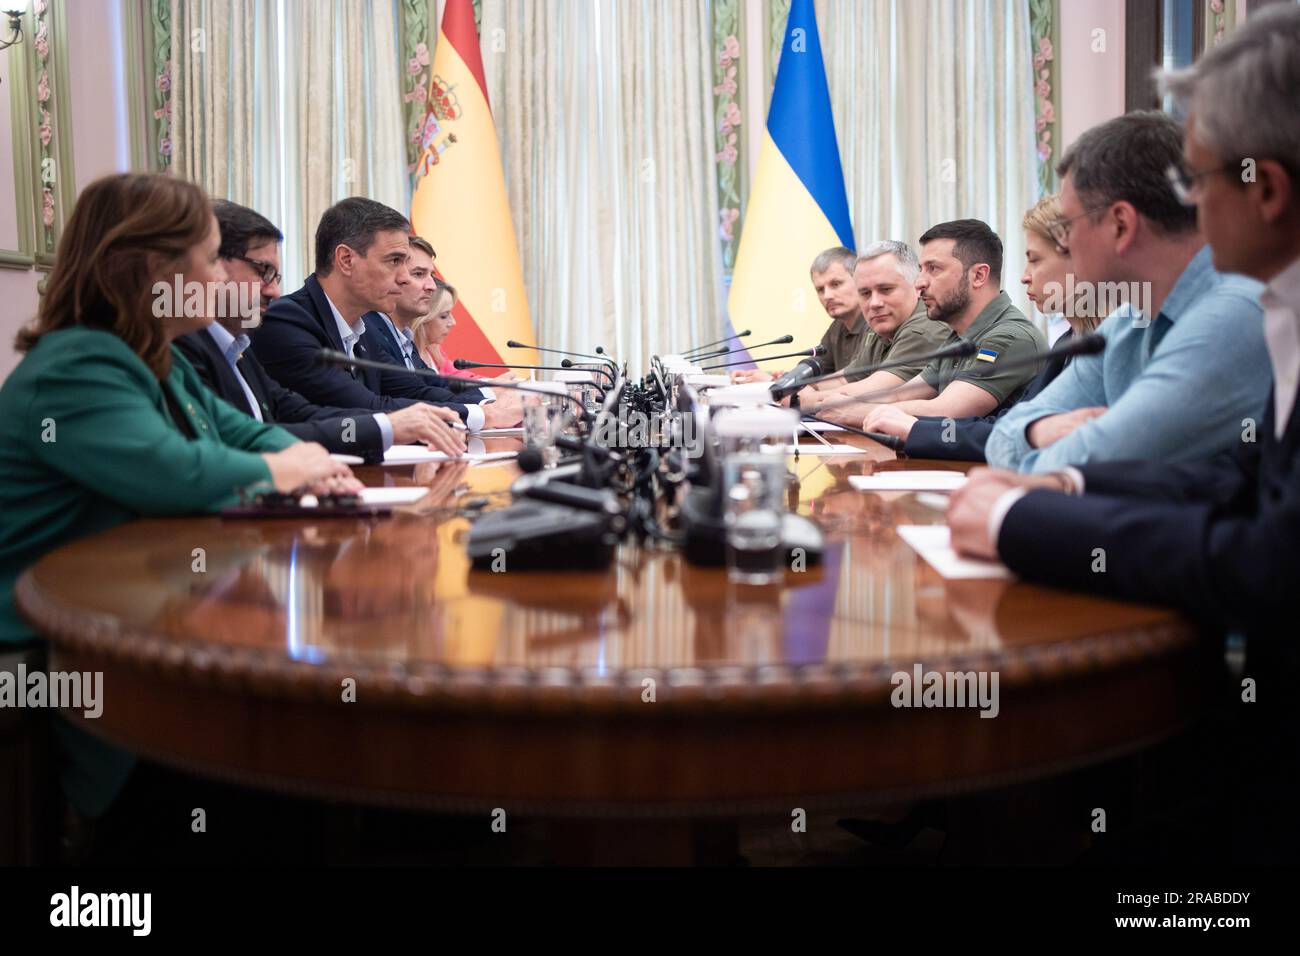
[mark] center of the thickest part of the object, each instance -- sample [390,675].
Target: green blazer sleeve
[103,423]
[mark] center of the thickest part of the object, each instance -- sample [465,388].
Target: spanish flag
[460,202]
[797,206]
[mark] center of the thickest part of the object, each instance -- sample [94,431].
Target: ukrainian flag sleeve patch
[986,355]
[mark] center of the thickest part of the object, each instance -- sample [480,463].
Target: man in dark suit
[1220,538]
[250,253]
[392,332]
[361,266]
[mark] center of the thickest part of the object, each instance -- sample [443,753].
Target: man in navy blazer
[361,266]
[1219,539]
[250,254]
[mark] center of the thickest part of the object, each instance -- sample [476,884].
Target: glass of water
[545,407]
[752,443]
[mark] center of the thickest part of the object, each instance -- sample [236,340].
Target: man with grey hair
[898,326]
[832,278]
[1217,539]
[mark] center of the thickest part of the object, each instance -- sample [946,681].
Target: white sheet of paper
[393,496]
[348,459]
[820,427]
[380,496]
[419,455]
[934,544]
[500,433]
[909,481]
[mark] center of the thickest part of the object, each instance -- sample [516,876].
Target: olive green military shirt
[1001,333]
[918,335]
[842,343]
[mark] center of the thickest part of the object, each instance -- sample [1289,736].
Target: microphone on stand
[806,353]
[463,364]
[453,385]
[512,344]
[701,348]
[962,349]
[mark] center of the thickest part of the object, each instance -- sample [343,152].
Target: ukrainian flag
[797,206]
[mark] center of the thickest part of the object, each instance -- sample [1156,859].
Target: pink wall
[1092,82]
[100,139]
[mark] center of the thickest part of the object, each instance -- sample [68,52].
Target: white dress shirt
[406,339]
[232,347]
[1281,302]
[351,335]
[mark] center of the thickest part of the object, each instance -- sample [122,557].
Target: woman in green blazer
[103,422]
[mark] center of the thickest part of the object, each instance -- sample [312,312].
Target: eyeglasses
[266,271]
[1059,230]
[1185,181]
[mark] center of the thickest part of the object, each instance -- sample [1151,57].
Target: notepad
[419,455]
[379,496]
[933,543]
[909,481]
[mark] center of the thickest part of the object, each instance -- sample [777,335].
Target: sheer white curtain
[288,106]
[604,109]
[934,107]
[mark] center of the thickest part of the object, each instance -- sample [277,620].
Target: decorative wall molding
[1044,31]
[417,35]
[1220,20]
[728,114]
[161,21]
[44,176]
[24,257]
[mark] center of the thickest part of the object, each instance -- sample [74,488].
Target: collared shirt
[842,342]
[1281,301]
[232,347]
[351,335]
[405,340]
[1177,388]
[1000,332]
[918,335]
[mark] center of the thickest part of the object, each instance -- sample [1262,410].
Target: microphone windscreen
[512,344]
[784,340]
[462,364]
[530,461]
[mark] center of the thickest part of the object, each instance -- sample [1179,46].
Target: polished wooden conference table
[364,660]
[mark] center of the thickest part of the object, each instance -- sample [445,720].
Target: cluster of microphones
[575,514]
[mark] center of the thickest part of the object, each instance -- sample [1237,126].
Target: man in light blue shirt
[1180,387]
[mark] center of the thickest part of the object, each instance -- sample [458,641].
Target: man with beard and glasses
[961,286]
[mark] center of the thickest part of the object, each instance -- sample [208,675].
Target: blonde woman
[1047,267]
[431,330]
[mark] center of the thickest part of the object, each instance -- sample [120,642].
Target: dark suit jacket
[383,336]
[296,327]
[1219,538]
[279,405]
[926,439]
